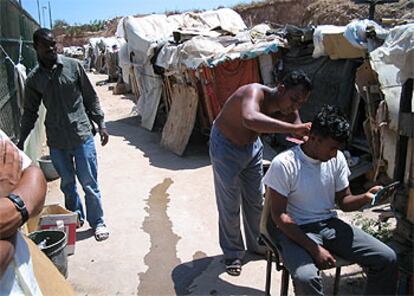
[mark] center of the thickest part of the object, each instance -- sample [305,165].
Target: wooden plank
[204,81]
[181,118]
[202,117]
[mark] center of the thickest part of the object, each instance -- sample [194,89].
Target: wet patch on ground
[162,257]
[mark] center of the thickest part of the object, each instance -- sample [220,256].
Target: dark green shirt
[69,98]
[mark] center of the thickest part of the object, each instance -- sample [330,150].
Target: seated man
[304,183]
[22,195]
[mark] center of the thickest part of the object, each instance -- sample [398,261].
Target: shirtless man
[236,153]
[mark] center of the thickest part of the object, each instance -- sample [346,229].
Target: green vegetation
[77,29]
[60,24]
[378,229]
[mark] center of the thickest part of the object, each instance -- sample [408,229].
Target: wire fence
[16,46]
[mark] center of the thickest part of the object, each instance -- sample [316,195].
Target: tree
[60,24]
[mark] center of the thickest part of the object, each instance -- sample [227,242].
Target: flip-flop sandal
[101,232]
[233,266]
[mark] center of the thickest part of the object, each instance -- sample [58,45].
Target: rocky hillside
[281,12]
[305,12]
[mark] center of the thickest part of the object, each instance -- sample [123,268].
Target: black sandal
[233,266]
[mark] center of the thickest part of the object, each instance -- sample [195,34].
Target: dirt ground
[162,214]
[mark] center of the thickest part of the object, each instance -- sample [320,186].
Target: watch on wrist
[20,206]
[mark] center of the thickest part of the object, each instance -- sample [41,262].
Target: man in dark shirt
[71,102]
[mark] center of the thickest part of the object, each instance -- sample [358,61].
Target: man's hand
[103,132]
[301,131]
[10,167]
[370,194]
[323,258]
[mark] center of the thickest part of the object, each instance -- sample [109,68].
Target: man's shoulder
[340,159]
[286,158]
[254,86]
[288,154]
[67,61]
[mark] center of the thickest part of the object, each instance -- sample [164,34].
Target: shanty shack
[187,66]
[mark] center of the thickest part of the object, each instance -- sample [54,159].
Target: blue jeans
[348,242]
[80,161]
[238,174]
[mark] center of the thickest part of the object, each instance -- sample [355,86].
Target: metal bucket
[48,168]
[52,243]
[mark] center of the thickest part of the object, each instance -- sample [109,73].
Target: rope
[6,55]
[20,50]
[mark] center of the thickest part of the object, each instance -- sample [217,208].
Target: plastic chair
[268,231]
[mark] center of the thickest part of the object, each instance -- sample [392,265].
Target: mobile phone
[387,189]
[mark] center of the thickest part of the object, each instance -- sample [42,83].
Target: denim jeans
[80,162]
[238,174]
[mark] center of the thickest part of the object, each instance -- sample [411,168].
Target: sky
[85,11]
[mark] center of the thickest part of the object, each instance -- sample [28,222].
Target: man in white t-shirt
[304,184]
[22,195]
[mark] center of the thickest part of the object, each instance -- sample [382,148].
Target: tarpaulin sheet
[222,81]
[333,81]
[144,34]
[211,52]
[398,50]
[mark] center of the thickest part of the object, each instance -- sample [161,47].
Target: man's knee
[307,280]
[388,259]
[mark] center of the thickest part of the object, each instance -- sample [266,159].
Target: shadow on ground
[195,156]
[185,274]
[84,234]
[352,282]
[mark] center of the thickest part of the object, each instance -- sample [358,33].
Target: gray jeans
[238,174]
[348,242]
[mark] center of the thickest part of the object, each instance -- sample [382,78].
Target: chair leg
[285,282]
[268,272]
[337,279]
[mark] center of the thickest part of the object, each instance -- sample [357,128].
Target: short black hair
[330,122]
[41,34]
[297,77]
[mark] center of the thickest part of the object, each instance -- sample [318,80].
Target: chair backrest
[266,215]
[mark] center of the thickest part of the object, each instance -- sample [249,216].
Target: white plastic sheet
[19,278]
[355,32]
[398,50]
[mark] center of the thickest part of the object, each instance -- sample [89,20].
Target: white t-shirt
[25,159]
[308,184]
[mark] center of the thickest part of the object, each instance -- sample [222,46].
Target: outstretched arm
[348,202]
[254,119]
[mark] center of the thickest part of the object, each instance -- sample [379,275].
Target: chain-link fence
[16,46]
